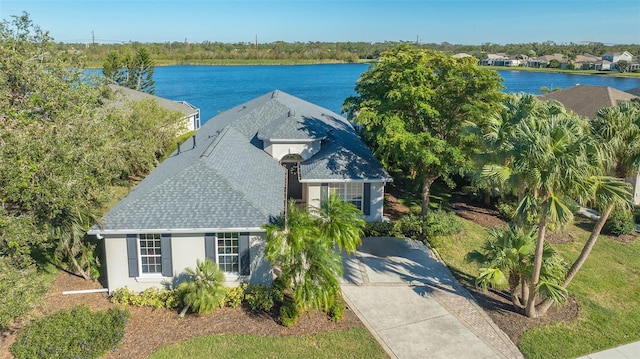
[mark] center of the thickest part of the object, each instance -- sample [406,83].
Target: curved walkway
[414,307]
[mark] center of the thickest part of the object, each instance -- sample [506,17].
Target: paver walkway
[414,306]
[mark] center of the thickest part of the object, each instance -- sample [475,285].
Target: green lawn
[607,289]
[354,343]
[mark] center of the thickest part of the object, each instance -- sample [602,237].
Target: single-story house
[211,197]
[587,100]
[191,113]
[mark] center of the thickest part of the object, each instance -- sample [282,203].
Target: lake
[217,88]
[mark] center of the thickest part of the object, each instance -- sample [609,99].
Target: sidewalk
[414,306]
[629,351]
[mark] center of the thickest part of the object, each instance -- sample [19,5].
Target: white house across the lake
[211,197]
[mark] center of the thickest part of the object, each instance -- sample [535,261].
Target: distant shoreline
[284,62]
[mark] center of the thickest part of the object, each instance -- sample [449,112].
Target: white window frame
[155,237]
[228,236]
[348,192]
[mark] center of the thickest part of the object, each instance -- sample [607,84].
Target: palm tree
[506,259]
[203,290]
[68,230]
[551,156]
[341,223]
[300,248]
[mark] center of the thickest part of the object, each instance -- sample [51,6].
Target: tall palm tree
[552,157]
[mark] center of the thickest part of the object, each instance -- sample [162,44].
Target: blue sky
[455,21]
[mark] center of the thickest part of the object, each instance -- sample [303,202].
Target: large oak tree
[414,106]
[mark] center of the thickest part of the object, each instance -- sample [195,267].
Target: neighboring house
[544,61]
[585,62]
[211,197]
[603,65]
[191,113]
[614,57]
[587,100]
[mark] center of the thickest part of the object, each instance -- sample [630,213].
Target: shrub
[233,296]
[150,297]
[74,333]
[620,222]
[289,314]
[506,210]
[379,229]
[336,309]
[260,298]
[442,223]
[20,290]
[409,226]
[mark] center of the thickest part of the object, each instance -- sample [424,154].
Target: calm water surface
[217,88]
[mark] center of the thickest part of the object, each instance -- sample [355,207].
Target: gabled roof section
[587,100]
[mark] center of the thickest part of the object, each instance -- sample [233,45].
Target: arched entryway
[294,188]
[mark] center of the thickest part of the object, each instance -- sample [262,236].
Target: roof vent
[178,148]
[274,94]
[194,141]
[291,113]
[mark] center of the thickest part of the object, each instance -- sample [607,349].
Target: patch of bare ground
[150,329]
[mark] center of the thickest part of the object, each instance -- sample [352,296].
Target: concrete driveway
[414,307]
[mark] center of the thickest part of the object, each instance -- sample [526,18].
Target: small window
[150,253]
[227,251]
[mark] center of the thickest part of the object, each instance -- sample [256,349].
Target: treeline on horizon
[349,52]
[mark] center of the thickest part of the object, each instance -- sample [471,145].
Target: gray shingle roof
[133,95]
[227,181]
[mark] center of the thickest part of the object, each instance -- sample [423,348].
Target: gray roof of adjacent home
[634,91]
[133,95]
[587,100]
[223,179]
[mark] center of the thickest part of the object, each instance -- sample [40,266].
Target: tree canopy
[414,107]
[132,70]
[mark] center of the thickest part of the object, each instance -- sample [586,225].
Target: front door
[294,187]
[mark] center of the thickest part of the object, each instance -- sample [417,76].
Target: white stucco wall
[185,250]
[279,150]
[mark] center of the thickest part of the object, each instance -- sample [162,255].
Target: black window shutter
[210,246]
[132,254]
[245,257]
[165,242]
[324,193]
[366,199]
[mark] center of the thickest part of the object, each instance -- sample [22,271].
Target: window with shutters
[351,192]
[227,252]
[150,248]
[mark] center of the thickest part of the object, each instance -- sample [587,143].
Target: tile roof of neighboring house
[224,179]
[587,100]
[461,55]
[634,91]
[583,58]
[170,105]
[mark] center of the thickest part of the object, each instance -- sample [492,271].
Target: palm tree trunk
[78,268]
[530,309]
[584,254]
